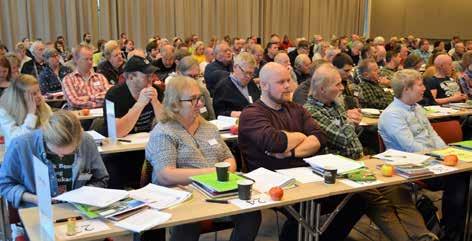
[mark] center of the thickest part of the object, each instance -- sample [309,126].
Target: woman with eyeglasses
[189,67]
[183,144]
[70,154]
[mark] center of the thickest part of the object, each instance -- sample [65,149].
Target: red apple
[276,193]
[85,112]
[234,130]
[450,160]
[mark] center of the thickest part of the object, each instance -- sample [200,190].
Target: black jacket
[227,97]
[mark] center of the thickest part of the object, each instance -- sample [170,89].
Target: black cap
[137,63]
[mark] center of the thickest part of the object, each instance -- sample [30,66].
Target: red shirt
[76,88]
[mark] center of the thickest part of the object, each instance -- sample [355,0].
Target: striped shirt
[76,88]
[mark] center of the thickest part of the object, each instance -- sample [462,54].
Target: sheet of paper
[224,122]
[439,110]
[256,201]
[144,220]
[359,184]
[395,157]
[462,154]
[301,174]
[440,168]
[111,121]
[43,192]
[341,163]
[96,112]
[83,227]
[137,138]
[228,136]
[160,197]
[96,136]
[93,196]
[266,179]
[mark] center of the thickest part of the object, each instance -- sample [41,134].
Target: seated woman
[70,154]
[14,65]
[22,108]
[183,144]
[188,66]
[50,78]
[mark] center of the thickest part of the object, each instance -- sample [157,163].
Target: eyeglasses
[248,74]
[195,99]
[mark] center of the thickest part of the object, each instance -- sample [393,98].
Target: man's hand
[354,116]
[144,96]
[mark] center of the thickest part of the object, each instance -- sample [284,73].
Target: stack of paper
[144,220]
[369,112]
[137,138]
[301,174]
[342,164]
[402,158]
[98,112]
[266,179]
[97,137]
[209,185]
[224,122]
[93,196]
[463,144]
[159,197]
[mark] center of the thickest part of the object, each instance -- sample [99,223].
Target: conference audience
[276,133]
[69,153]
[84,88]
[181,146]
[22,108]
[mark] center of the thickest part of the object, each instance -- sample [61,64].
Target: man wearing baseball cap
[137,102]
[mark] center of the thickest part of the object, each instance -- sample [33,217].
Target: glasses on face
[248,74]
[194,100]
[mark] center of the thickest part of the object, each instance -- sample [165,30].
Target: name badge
[250,99]
[337,122]
[213,142]
[203,110]
[84,176]
[97,84]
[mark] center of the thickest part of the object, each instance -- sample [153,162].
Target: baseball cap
[137,63]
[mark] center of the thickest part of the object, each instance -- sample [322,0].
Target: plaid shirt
[372,95]
[76,87]
[342,136]
[386,72]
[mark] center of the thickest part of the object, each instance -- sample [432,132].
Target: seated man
[84,88]
[371,94]
[238,90]
[302,68]
[136,106]
[391,207]
[220,68]
[423,50]
[36,65]
[303,47]
[276,133]
[404,126]
[393,62]
[112,67]
[443,88]
[181,146]
[70,154]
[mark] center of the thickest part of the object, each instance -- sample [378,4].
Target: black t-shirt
[123,100]
[445,87]
[63,169]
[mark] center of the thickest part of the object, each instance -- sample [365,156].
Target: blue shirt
[425,55]
[17,172]
[406,128]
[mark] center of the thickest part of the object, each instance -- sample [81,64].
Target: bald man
[276,133]
[444,89]
[220,68]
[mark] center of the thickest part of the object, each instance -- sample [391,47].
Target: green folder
[463,144]
[210,181]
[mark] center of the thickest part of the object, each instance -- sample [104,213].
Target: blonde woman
[183,144]
[22,108]
[198,54]
[69,153]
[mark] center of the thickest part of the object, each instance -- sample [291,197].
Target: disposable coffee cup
[222,171]
[329,175]
[244,189]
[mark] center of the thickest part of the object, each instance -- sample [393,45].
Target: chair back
[450,131]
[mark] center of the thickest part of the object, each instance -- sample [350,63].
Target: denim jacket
[17,172]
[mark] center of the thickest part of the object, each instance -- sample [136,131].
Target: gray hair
[404,79]
[109,47]
[300,60]
[245,59]
[322,77]
[185,64]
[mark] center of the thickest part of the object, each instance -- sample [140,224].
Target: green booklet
[211,182]
[463,144]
